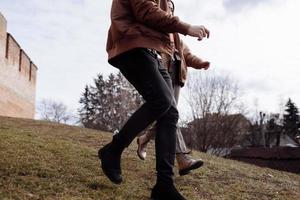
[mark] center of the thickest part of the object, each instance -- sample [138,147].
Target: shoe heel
[185,172]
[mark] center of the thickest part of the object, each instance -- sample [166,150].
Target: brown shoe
[142,142]
[186,164]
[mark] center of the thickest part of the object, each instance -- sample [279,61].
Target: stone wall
[17,77]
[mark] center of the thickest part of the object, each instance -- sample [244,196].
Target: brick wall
[2,36]
[17,77]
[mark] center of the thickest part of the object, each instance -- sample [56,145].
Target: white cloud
[259,46]
[238,5]
[257,42]
[66,40]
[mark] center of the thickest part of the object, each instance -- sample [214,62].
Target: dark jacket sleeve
[190,59]
[149,13]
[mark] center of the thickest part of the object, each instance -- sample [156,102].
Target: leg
[165,142]
[150,134]
[143,140]
[180,143]
[185,163]
[146,75]
[144,72]
[165,139]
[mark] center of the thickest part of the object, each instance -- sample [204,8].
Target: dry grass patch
[41,160]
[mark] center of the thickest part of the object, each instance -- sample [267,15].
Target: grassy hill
[41,160]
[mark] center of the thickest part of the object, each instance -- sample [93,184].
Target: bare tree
[54,111]
[216,110]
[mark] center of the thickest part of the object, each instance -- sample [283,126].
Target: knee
[166,104]
[161,105]
[173,114]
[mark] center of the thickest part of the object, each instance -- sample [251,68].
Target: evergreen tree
[107,104]
[291,122]
[86,112]
[100,104]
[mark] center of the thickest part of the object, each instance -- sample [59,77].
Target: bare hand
[205,65]
[198,31]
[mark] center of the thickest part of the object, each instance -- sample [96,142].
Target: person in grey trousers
[138,34]
[174,64]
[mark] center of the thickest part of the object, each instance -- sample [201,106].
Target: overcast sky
[257,41]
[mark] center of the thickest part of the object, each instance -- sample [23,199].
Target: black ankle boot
[165,192]
[111,162]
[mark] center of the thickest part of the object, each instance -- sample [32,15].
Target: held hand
[198,31]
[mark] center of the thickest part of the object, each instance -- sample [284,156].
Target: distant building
[17,77]
[269,145]
[273,137]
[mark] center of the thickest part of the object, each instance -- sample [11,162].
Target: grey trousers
[180,143]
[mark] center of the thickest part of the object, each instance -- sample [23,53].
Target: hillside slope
[41,160]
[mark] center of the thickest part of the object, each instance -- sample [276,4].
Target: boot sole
[162,197]
[107,172]
[188,170]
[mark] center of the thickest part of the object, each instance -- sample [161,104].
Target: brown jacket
[186,58]
[142,23]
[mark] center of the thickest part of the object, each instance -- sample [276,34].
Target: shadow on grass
[95,185]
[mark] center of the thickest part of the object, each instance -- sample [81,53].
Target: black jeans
[145,72]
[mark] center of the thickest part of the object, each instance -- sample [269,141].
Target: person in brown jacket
[177,68]
[138,34]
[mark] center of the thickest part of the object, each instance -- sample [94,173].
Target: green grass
[41,160]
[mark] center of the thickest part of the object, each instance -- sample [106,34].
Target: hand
[205,65]
[198,31]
